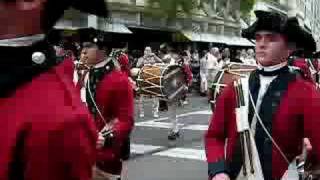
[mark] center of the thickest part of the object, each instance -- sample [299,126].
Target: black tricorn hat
[93,36]
[54,9]
[276,22]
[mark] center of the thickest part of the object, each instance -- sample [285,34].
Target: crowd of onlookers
[204,64]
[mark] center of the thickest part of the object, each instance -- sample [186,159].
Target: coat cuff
[217,167]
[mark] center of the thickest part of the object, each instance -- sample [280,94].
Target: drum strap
[96,75]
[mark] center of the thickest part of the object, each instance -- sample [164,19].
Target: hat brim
[298,35]
[289,27]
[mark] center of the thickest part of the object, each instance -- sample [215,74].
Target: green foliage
[246,6]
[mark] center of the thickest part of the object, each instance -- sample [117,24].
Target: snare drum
[162,80]
[226,76]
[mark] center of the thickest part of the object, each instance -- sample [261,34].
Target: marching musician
[172,105]
[109,97]
[286,105]
[185,63]
[47,133]
[148,58]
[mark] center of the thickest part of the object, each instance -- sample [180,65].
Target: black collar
[18,68]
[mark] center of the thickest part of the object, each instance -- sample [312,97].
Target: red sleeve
[311,114]
[124,63]
[67,67]
[64,150]
[123,107]
[188,73]
[217,133]
[118,105]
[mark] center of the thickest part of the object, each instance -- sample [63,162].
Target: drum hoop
[175,93]
[238,74]
[162,76]
[235,63]
[237,70]
[160,80]
[170,74]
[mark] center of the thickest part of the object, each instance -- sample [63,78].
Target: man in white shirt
[203,73]
[212,65]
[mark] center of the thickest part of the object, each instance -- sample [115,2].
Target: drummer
[149,58]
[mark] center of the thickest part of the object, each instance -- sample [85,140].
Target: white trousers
[155,105]
[172,111]
[204,83]
[212,73]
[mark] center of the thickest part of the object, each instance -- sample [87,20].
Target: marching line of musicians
[270,119]
[102,88]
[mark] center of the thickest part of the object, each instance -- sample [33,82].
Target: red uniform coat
[304,67]
[68,67]
[46,131]
[124,64]
[297,116]
[188,73]
[114,97]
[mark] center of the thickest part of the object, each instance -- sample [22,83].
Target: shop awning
[68,27]
[214,38]
[238,41]
[112,28]
[116,28]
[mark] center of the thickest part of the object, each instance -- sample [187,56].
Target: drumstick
[236,88]
[242,137]
[246,132]
[249,151]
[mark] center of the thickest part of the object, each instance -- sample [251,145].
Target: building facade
[215,21]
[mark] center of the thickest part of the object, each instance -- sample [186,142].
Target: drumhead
[134,72]
[173,82]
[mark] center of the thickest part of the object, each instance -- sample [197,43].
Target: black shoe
[173,135]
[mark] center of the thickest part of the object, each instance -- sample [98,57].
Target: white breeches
[172,108]
[204,82]
[155,104]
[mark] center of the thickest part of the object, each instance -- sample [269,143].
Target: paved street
[156,158]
